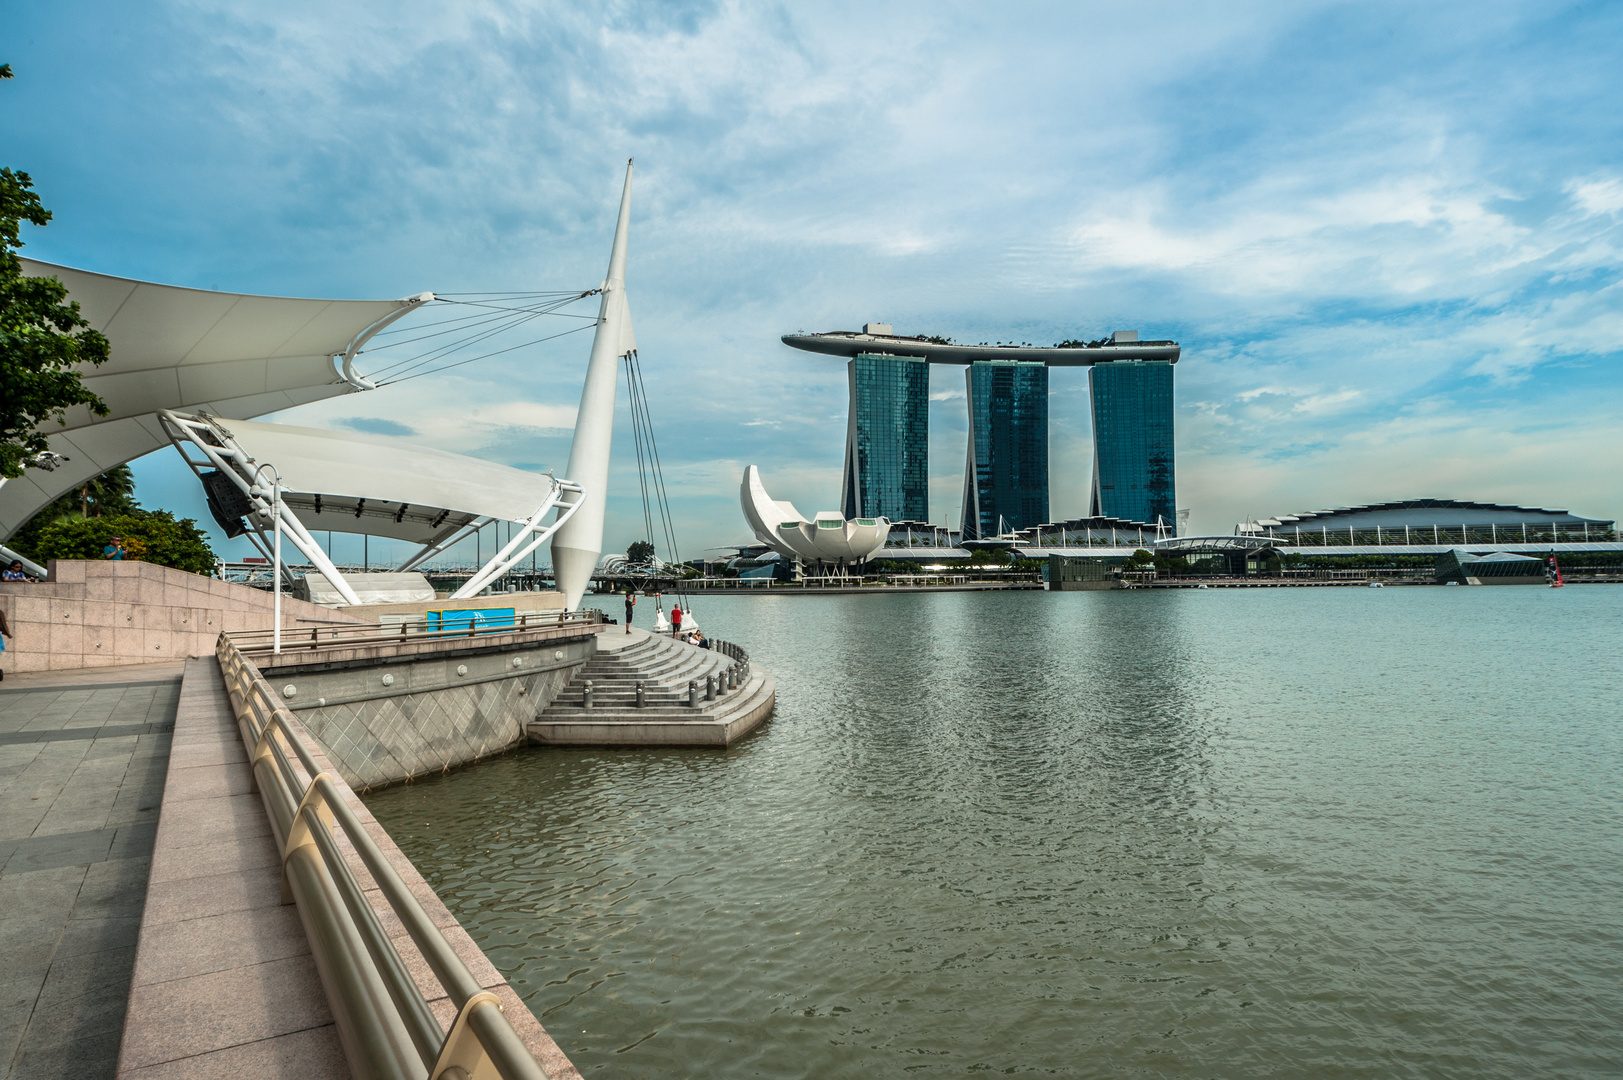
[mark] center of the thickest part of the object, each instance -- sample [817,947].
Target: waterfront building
[1431,522]
[1134,473]
[887,442]
[1006,474]
[1458,567]
[888,427]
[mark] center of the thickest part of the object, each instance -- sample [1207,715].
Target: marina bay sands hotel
[1006,473]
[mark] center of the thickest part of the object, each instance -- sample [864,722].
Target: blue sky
[1386,235]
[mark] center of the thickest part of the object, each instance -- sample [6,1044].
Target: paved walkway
[82,763]
[224,985]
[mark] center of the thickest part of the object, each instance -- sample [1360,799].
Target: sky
[1386,235]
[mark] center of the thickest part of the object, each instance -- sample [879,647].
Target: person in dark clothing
[631,603]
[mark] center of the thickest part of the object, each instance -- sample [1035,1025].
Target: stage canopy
[322,481]
[229,354]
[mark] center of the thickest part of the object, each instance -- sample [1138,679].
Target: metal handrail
[384,1022]
[347,635]
[740,658]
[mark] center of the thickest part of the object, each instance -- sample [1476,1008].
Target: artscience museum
[828,538]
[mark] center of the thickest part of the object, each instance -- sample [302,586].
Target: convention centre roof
[851,342]
[1419,513]
[230,354]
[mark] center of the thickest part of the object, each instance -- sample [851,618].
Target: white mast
[578,543]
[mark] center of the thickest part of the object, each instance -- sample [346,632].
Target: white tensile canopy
[231,354]
[351,483]
[312,480]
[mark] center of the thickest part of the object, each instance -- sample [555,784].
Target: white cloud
[1602,195]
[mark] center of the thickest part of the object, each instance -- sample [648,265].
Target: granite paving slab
[82,768]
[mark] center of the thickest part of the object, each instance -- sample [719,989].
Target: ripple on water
[1332,832]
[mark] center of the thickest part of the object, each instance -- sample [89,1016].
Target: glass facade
[1133,467]
[887,465]
[1006,475]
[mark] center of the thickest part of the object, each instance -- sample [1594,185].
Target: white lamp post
[276,554]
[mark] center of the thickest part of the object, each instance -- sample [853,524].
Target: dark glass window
[1006,481]
[887,464]
[1133,465]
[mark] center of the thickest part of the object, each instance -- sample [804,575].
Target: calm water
[1327,832]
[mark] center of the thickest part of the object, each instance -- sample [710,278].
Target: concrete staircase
[664,667]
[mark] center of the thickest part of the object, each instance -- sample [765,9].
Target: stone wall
[96,614]
[425,706]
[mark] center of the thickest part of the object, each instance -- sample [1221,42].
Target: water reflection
[1083,834]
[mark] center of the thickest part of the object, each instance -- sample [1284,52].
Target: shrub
[155,538]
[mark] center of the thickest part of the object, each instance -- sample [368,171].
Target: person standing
[631,604]
[676,621]
[114,549]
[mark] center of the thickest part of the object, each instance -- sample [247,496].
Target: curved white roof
[829,536]
[762,512]
[383,488]
[230,354]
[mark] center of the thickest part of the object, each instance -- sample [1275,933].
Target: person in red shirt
[676,622]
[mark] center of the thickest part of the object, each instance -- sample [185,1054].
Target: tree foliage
[111,493]
[154,537]
[639,553]
[43,338]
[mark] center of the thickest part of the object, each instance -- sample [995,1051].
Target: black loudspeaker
[227,502]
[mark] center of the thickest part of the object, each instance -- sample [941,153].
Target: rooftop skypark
[886,471]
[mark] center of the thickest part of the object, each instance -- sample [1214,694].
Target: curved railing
[351,635]
[384,1022]
[740,658]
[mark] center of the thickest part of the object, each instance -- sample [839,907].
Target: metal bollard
[642,696]
[732,677]
[721,684]
[710,688]
[693,694]
[586,695]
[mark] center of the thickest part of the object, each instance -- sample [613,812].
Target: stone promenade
[83,756]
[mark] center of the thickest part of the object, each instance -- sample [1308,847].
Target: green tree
[43,338]
[111,493]
[1141,557]
[640,552]
[150,537]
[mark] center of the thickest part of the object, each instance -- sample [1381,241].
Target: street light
[276,553]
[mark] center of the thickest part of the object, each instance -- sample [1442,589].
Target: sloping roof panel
[390,475]
[230,354]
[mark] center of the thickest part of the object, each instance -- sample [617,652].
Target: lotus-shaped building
[828,537]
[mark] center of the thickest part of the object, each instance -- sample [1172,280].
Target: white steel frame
[270,510]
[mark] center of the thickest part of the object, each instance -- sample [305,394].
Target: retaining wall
[391,711]
[96,614]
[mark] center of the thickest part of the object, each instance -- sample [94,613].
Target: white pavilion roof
[229,354]
[386,488]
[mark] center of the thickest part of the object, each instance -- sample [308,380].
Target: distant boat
[1377,585]
[1556,580]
